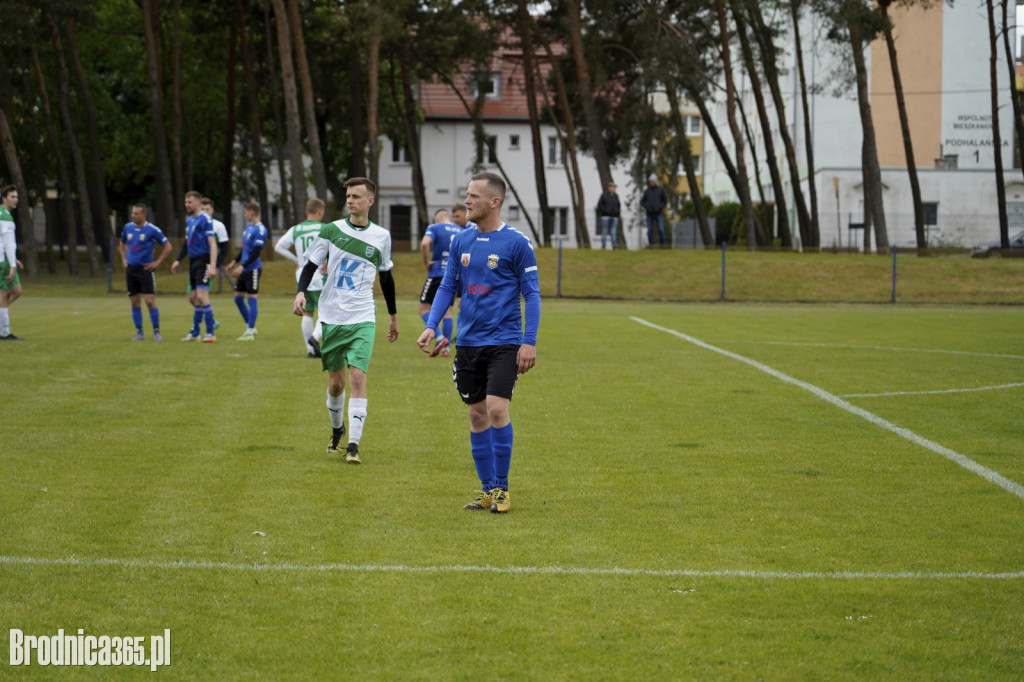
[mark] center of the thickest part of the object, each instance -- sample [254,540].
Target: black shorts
[197,272]
[430,289]
[249,281]
[140,280]
[480,371]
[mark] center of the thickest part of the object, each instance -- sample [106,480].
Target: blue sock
[483,457]
[502,440]
[240,302]
[154,318]
[446,328]
[208,316]
[254,310]
[137,318]
[197,319]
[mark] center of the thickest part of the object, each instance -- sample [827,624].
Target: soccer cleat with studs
[441,345]
[333,444]
[209,338]
[501,502]
[315,345]
[139,336]
[483,501]
[352,454]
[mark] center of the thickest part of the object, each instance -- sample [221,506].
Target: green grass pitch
[678,513]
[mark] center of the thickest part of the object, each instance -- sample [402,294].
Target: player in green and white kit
[10,283]
[300,237]
[355,251]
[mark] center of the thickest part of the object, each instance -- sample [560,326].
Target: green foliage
[728,222]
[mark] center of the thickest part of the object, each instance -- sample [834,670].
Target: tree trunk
[357,82]
[771,159]
[373,99]
[412,136]
[742,183]
[255,121]
[769,60]
[908,145]
[813,230]
[96,179]
[64,106]
[997,140]
[691,171]
[568,141]
[308,99]
[293,126]
[531,72]
[586,94]
[227,169]
[290,217]
[66,215]
[871,172]
[161,164]
[177,116]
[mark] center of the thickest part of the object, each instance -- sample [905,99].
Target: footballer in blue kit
[249,269]
[138,239]
[496,266]
[435,247]
[201,248]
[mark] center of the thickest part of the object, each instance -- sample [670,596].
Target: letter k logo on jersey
[346,270]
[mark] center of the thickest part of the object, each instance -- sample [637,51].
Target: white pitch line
[513,570]
[966,462]
[947,390]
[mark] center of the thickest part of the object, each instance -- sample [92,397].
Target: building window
[485,149]
[931,212]
[513,142]
[554,152]
[693,126]
[399,152]
[489,82]
[513,213]
[561,219]
[695,159]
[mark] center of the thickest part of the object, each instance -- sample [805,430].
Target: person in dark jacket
[653,201]
[609,209]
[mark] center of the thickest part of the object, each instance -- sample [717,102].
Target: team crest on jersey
[369,251]
[465,260]
[492,261]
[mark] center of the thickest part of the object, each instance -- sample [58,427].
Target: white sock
[318,332]
[356,417]
[5,322]
[335,407]
[307,331]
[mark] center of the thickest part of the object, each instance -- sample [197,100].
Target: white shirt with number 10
[354,255]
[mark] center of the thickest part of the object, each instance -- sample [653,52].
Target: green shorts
[312,301]
[347,345]
[5,269]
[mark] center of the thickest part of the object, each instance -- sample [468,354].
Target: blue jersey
[139,241]
[254,237]
[197,229]
[441,235]
[495,268]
